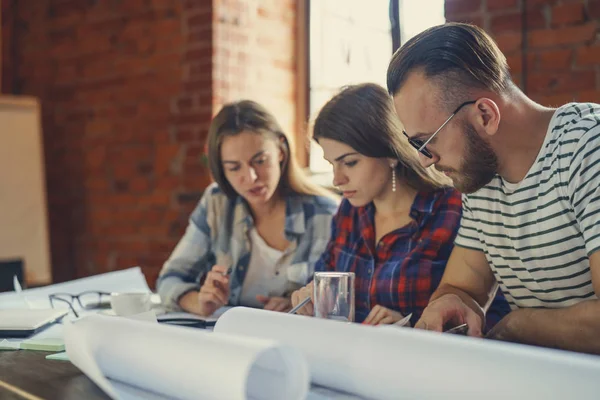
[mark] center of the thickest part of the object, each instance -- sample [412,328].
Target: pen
[225,261]
[460,329]
[404,321]
[299,306]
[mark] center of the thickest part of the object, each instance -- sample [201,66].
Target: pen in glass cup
[299,306]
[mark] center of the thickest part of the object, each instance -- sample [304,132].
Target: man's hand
[505,329]
[450,309]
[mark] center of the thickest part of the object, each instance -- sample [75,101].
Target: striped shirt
[218,233]
[538,234]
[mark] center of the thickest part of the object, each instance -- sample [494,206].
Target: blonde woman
[258,230]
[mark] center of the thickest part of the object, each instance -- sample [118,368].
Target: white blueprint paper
[183,363]
[396,363]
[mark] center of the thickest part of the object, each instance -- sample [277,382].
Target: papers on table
[259,354]
[392,363]
[58,356]
[262,355]
[128,280]
[9,345]
[181,362]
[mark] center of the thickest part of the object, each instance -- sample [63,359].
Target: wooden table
[28,375]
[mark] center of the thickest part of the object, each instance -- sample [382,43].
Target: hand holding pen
[214,293]
[302,298]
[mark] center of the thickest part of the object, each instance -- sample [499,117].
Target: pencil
[299,306]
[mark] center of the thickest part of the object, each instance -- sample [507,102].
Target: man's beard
[479,166]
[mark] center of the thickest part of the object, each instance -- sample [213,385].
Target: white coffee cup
[129,303]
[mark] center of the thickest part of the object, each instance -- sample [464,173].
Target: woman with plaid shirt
[397,222]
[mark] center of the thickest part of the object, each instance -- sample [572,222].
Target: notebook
[23,322]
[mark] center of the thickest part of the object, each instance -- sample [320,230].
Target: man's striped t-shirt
[537,234]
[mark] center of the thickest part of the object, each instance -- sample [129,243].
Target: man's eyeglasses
[420,145]
[87,300]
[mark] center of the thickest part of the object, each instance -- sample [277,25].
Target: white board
[23,205]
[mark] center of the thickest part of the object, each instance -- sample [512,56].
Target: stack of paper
[9,345]
[128,280]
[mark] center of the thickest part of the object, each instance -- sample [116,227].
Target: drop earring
[393,178]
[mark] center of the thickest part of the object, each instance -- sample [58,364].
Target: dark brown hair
[247,115]
[458,56]
[362,116]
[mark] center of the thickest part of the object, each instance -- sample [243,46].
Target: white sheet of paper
[124,391]
[322,393]
[147,316]
[127,280]
[392,363]
[9,345]
[183,362]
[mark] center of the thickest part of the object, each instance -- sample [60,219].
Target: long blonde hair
[247,115]
[363,117]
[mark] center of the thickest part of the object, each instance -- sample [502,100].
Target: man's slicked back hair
[457,56]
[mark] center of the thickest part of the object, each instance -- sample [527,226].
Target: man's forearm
[575,328]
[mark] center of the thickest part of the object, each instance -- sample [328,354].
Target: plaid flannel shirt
[402,271]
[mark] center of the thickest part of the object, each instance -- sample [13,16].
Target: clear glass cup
[334,295]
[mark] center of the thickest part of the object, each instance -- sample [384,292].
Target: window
[416,16]
[350,42]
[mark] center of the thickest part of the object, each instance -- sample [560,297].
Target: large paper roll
[184,363]
[396,363]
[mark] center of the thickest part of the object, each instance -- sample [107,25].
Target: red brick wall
[128,89]
[121,84]
[6,34]
[562,44]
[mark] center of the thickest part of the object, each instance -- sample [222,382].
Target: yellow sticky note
[48,344]
[58,356]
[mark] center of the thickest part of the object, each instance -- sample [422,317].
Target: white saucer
[111,312]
